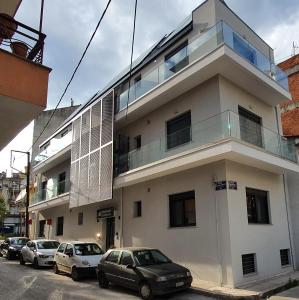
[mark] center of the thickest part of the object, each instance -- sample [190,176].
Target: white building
[188,157]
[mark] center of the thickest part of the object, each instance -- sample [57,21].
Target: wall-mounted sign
[232,185]
[105,213]
[220,185]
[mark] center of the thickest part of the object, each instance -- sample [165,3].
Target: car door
[25,251]
[59,257]
[111,266]
[31,252]
[127,274]
[68,257]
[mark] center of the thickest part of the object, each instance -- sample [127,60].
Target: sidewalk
[251,291]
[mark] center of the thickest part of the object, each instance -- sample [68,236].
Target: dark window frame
[253,216]
[181,197]
[137,142]
[137,207]
[285,262]
[80,218]
[41,228]
[169,145]
[59,226]
[254,269]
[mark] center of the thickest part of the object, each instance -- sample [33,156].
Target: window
[88,249]
[41,231]
[61,248]
[250,127]
[44,190]
[80,218]
[59,228]
[113,257]
[126,259]
[248,263]
[137,209]
[179,130]
[257,206]
[137,142]
[176,60]
[182,209]
[61,183]
[69,250]
[285,257]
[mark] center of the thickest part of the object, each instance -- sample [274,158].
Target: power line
[73,75]
[132,53]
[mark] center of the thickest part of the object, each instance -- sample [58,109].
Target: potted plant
[8,26]
[19,48]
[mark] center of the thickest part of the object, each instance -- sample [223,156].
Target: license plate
[179,284]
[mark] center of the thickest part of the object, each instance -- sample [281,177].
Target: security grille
[248,263]
[92,154]
[285,257]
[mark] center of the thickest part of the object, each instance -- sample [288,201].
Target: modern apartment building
[23,77]
[290,127]
[186,155]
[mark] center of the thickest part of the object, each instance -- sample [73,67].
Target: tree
[3,209]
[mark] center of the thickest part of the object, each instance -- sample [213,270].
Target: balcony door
[61,183]
[250,127]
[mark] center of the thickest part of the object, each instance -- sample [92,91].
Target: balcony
[262,144]
[55,152]
[23,78]
[271,86]
[54,194]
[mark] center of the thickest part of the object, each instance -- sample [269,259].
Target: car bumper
[88,271]
[167,287]
[45,262]
[14,253]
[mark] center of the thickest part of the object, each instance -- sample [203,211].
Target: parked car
[77,258]
[148,271]
[39,252]
[12,246]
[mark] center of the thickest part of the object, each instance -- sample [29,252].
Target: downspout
[288,220]
[121,218]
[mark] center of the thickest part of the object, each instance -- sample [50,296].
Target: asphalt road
[25,283]
[290,294]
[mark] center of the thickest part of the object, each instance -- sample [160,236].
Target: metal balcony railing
[52,191]
[21,39]
[227,125]
[207,42]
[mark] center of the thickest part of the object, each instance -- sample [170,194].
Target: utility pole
[27,187]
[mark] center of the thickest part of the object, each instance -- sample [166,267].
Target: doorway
[110,232]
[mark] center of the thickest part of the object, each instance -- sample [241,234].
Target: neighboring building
[190,159]
[10,188]
[290,125]
[23,77]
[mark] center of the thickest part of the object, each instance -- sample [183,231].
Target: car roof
[43,240]
[131,249]
[78,242]
[18,238]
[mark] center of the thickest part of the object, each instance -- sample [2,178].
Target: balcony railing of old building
[21,39]
[218,35]
[227,125]
[52,191]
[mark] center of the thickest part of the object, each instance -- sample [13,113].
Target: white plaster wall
[264,240]
[195,247]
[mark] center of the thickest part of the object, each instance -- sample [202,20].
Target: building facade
[186,155]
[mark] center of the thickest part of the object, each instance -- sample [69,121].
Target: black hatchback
[148,271]
[12,246]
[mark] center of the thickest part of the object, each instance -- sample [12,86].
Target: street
[26,283]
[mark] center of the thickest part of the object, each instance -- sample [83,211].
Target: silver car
[39,252]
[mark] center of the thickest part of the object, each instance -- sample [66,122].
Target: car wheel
[75,274]
[145,291]
[103,281]
[8,255]
[22,261]
[35,263]
[56,269]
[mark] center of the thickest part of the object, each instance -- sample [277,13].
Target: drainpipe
[288,220]
[121,218]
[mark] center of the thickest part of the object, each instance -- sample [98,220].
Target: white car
[39,252]
[77,258]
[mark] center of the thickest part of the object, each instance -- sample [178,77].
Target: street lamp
[27,187]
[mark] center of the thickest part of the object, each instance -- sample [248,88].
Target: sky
[69,24]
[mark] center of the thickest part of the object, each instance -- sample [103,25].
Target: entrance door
[110,231]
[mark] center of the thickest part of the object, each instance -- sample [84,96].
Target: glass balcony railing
[227,125]
[56,145]
[53,190]
[220,34]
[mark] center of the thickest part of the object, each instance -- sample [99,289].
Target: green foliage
[3,209]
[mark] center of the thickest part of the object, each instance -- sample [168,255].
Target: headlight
[12,248]
[85,262]
[188,274]
[162,278]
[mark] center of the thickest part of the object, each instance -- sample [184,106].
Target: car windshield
[21,242]
[88,249]
[150,257]
[47,245]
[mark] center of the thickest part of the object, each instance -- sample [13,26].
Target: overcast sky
[68,25]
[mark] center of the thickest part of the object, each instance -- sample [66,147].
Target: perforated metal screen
[92,154]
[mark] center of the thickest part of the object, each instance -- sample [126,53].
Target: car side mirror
[132,267]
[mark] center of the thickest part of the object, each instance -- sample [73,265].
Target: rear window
[113,257]
[88,249]
[21,242]
[48,245]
